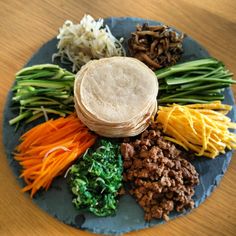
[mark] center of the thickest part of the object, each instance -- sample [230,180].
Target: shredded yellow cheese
[203,128]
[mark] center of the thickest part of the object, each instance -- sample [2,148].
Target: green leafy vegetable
[42,89]
[96,178]
[198,81]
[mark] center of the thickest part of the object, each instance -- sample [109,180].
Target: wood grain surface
[26,24]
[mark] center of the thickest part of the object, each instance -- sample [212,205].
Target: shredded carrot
[48,149]
[203,128]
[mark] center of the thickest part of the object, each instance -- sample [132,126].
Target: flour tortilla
[118,131]
[115,97]
[92,65]
[117,89]
[126,133]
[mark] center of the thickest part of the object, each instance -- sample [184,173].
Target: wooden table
[26,25]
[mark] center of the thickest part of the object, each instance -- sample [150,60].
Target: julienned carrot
[47,150]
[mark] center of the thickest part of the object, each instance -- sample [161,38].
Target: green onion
[195,81]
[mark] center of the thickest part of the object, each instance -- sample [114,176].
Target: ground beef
[159,177]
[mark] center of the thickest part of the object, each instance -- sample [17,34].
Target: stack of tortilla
[116,97]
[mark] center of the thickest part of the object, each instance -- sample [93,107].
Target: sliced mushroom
[151,33]
[153,45]
[145,58]
[157,46]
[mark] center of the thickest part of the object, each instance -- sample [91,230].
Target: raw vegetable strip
[48,149]
[198,81]
[40,90]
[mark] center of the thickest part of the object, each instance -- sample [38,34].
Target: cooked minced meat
[161,180]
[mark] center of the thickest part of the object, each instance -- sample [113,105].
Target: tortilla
[116,96]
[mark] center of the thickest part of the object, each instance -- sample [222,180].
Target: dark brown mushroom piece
[157,46]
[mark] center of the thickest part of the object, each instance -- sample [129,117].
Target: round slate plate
[57,200]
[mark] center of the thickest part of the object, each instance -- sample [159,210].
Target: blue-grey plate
[57,200]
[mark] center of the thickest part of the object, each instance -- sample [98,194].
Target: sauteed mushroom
[157,46]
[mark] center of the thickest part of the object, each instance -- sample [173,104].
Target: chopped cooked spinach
[96,179]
